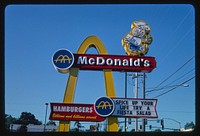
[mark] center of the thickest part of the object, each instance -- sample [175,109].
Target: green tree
[51,123]
[78,126]
[189,125]
[23,128]
[132,130]
[157,130]
[27,118]
[9,120]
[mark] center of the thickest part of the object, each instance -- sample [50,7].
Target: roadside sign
[135,108]
[74,112]
[63,60]
[104,107]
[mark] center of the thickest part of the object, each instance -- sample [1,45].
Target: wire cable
[183,77]
[174,88]
[176,45]
[176,71]
[175,32]
[170,84]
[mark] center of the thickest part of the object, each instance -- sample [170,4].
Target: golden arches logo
[89,42]
[63,58]
[104,105]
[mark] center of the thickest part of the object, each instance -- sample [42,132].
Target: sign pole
[143,90]
[125,97]
[136,96]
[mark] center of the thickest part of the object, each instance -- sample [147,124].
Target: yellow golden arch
[91,41]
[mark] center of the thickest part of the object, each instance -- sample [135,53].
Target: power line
[182,76]
[175,71]
[175,32]
[184,112]
[173,88]
[165,87]
[170,84]
[178,26]
[175,46]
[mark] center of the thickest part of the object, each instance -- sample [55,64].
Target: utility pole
[143,94]
[45,117]
[135,90]
[125,97]
[136,96]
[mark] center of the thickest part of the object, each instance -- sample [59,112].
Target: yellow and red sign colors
[74,112]
[114,62]
[64,60]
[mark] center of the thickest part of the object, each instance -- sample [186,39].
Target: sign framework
[93,41]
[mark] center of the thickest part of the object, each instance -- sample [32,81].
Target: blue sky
[34,32]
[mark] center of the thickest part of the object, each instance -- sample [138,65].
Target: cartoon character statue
[136,42]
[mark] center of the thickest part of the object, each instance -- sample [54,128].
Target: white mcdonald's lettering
[100,61]
[138,62]
[109,62]
[82,60]
[91,61]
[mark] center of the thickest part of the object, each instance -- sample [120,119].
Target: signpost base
[112,124]
[64,126]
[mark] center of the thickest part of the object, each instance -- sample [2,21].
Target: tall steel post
[45,117]
[143,93]
[136,96]
[125,89]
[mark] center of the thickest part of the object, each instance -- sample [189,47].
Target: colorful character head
[136,42]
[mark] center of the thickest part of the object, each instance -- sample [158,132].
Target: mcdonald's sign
[114,62]
[64,60]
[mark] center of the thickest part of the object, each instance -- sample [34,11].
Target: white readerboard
[136,108]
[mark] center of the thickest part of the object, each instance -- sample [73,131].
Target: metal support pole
[45,117]
[143,93]
[125,97]
[136,96]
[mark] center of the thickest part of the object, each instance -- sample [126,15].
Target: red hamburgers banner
[74,112]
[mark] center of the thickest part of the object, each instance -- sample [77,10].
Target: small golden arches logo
[104,105]
[62,59]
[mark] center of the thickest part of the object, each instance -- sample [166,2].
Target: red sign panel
[114,62]
[74,112]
